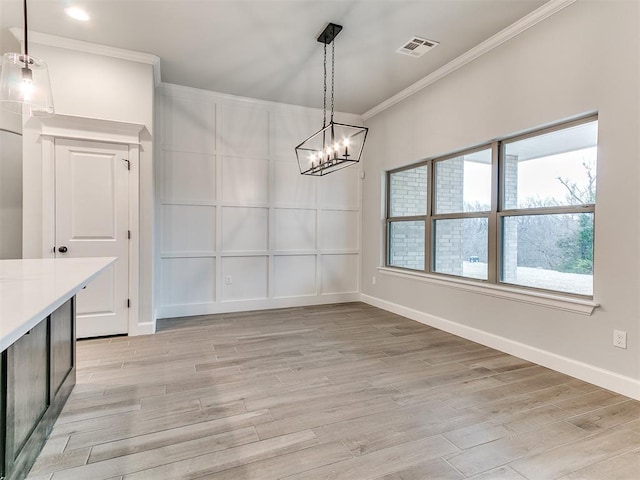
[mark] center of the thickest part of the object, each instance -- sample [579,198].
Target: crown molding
[545,11]
[93,48]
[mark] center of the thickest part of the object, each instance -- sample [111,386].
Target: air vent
[416,47]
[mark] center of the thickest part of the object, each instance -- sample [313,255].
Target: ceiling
[267,49]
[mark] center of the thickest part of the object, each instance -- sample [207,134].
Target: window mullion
[587,208]
[408,218]
[493,251]
[428,225]
[444,216]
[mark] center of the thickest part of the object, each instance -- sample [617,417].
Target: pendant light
[335,145]
[24,82]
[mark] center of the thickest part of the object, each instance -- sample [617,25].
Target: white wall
[10,194]
[582,59]
[10,170]
[234,207]
[103,87]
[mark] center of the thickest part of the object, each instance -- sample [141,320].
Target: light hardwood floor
[330,392]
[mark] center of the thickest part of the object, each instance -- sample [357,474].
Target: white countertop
[32,289]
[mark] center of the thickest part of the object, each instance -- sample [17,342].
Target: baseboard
[146,328]
[615,382]
[171,311]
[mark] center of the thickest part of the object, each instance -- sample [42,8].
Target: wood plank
[199,466]
[626,466]
[499,452]
[277,467]
[577,455]
[381,462]
[608,417]
[437,469]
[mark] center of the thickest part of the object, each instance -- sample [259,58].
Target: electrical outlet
[373,280]
[228,280]
[619,339]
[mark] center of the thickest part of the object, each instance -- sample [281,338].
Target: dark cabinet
[27,389]
[62,351]
[37,375]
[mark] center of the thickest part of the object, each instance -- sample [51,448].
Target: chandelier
[335,145]
[24,81]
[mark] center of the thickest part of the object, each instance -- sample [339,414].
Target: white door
[92,220]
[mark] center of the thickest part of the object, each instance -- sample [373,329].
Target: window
[518,211]
[548,209]
[407,206]
[461,214]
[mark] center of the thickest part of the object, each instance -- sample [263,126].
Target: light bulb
[26,85]
[77,14]
[345,142]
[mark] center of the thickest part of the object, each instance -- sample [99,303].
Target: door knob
[62,249]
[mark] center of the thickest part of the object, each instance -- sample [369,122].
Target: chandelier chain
[333,67]
[324,100]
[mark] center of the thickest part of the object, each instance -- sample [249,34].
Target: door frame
[104,131]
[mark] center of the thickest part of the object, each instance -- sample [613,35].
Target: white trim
[186,254]
[513,30]
[48,197]
[93,48]
[559,302]
[146,328]
[134,243]
[589,373]
[95,129]
[212,308]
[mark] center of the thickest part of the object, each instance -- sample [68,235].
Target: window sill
[559,302]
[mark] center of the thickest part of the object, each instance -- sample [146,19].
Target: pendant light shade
[24,81]
[24,85]
[335,145]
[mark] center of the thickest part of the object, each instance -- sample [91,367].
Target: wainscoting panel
[245,278]
[188,280]
[339,273]
[339,230]
[244,131]
[337,190]
[188,125]
[246,181]
[188,230]
[188,177]
[244,229]
[295,229]
[291,188]
[239,227]
[294,275]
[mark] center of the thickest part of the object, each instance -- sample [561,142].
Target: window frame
[406,218]
[458,215]
[495,215]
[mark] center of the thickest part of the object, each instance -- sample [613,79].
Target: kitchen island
[37,345]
